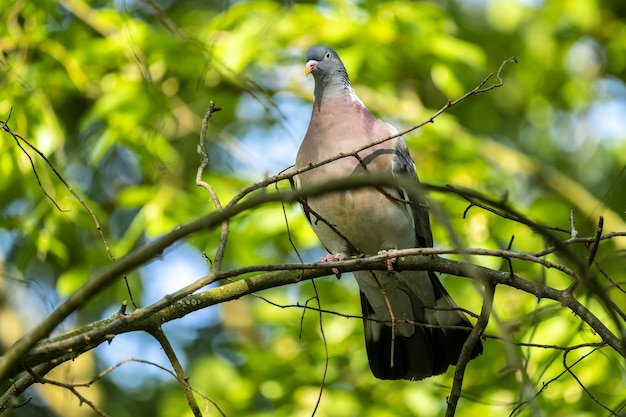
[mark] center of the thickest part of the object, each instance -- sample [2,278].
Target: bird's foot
[333,258]
[390,261]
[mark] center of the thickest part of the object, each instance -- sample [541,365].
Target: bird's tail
[422,337]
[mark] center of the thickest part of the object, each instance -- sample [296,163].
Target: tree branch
[279,275]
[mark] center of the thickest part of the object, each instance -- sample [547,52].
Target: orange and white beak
[310,66]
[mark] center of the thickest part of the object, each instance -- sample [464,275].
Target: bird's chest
[358,221]
[362,221]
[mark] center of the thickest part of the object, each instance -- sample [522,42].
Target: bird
[413,328]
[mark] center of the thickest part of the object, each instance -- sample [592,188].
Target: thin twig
[18,138]
[9,398]
[572,225]
[181,376]
[593,249]
[71,388]
[358,316]
[546,384]
[468,348]
[326,354]
[584,388]
[204,162]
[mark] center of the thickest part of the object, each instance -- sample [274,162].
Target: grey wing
[403,165]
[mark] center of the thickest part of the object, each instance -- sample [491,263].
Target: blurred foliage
[113,93]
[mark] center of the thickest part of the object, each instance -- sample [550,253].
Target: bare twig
[572,225]
[546,384]
[593,249]
[8,399]
[468,348]
[326,354]
[204,162]
[18,138]
[71,388]
[185,384]
[181,376]
[584,240]
[355,316]
[584,388]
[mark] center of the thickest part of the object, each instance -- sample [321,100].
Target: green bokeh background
[113,93]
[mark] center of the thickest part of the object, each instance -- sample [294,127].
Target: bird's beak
[310,66]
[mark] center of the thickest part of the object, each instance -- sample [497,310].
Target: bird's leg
[390,261]
[333,258]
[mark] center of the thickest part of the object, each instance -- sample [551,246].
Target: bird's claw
[333,258]
[390,261]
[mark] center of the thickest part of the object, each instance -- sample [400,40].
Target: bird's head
[328,70]
[322,61]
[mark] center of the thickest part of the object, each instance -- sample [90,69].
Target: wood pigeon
[413,328]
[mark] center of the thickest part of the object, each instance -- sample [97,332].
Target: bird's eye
[327,55]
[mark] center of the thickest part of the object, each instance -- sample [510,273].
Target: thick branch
[145,318]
